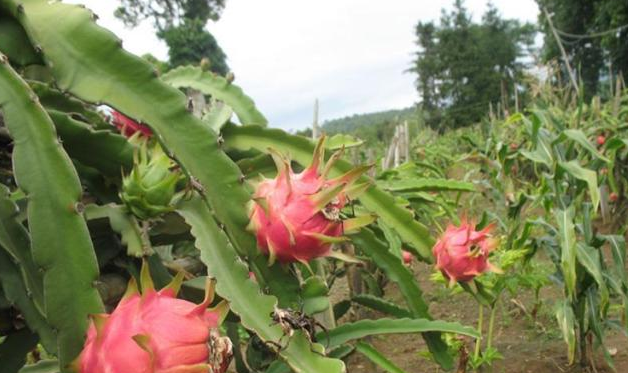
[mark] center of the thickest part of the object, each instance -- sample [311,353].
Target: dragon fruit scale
[296,216]
[462,253]
[128,127]
[154,332]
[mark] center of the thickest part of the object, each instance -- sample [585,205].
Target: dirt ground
[527,346]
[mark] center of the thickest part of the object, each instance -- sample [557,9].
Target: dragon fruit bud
[252,276]
[154,332]
[462,252]
[150,189]
[128,127]
[296,216]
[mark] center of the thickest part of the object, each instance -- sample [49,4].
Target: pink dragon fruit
[462,252]
[296,216]
[128,127]
[156,333]
[407,257]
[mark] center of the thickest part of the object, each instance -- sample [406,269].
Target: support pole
[315,130]
[406,132]
[572,76]
[397,144]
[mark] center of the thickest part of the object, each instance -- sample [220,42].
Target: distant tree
[306,132]
[168,13]
[189,43]
[463,66]
[613,15]
[427,64]
[181,24]
[590,55]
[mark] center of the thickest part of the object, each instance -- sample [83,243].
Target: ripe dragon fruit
[297,216]
[156,333]
[462,252]
[407,257]
[128,127]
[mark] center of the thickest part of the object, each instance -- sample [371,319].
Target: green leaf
[219,88]
[375,356]
[567,324]
[618,251]
[431,185]
[14,348]
[590,259]
[567,240]
[394,242]
[244,295]
[61,245]
[15,240]
[43,366]
[218,115]
[103,150]
[20,279]
[615,143]
[15,44]
[364,328]
[381,305]
[341,351]
[579,137]
[16,293]
[53,99]
[595,313]
[341,308]
[341,140]
[586,175]
[314,292]
[394,270]
[261,164]
[408,286]
[543,152]
[123,223]
[374,199]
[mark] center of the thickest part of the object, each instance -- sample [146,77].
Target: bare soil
[528,346]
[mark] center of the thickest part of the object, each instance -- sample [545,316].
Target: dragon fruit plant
[85,202]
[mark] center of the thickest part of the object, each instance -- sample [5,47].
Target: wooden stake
[406,141]
[397,144]
[572,76]
[315,130]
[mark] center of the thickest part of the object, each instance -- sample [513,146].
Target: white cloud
[350,54]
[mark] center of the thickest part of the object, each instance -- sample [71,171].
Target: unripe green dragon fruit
[150,189]
[154,332]
[297,216]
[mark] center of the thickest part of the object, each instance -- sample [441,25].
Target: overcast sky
[350,54]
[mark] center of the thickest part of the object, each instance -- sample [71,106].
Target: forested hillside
[371,126]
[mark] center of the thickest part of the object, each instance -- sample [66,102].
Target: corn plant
[572,170]
[82,207]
